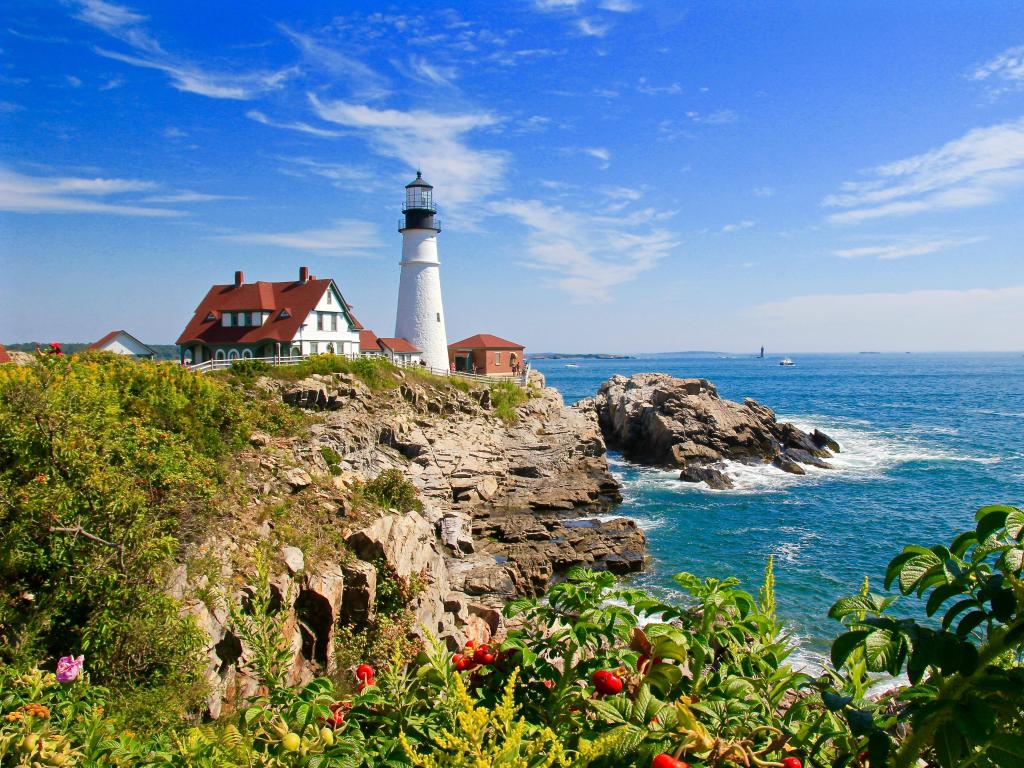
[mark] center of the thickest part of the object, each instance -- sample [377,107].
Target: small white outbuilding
[123,343]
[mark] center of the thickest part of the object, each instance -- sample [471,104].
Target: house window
[233,354]
[219,355]
[210,317]
[226,319]
[314,347]
[246,354]
[243,319]
[319,321]
[439,317]
[296,351]
[330,348]
[497,358]
[334,321]
[330,296]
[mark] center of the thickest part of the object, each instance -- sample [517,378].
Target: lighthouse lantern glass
[417,197]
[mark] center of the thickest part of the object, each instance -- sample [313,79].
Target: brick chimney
[303,274]
[239,278]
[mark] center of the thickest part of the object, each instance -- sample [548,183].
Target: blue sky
[614,175]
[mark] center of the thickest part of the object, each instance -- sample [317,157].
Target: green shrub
[246,371]
[389,490]
[332,458]
[505,398]
[106,463]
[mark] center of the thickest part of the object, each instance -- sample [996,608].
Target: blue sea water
[926,439]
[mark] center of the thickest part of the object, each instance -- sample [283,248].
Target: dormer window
[285,314]
[226,319]
[330,296]
[210,317]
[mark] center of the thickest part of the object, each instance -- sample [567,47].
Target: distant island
[576,356]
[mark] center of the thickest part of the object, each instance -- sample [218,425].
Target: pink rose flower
[69,668]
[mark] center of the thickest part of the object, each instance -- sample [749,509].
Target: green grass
[506,397]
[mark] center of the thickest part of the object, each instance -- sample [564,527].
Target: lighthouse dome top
[419,181]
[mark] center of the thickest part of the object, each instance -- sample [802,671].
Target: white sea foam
[866,453]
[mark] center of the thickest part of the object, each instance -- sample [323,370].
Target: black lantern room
[419,206]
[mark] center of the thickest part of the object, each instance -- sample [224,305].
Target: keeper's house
[486,355]
[244,320]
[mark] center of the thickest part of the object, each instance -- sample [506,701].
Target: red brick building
[487,355]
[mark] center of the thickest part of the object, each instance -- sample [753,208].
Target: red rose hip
[792,762]
[667,761]
[364,672]
[606,682]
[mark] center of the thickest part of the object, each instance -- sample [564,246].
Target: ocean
[926,439]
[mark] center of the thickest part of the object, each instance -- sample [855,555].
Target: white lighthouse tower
[420,317]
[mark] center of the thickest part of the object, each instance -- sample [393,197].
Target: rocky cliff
[506,507]
[664,421]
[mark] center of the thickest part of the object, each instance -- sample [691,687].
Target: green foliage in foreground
[706,681]
[106,465]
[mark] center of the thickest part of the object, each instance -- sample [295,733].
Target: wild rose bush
[597,674]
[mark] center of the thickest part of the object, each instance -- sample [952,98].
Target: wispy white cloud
[739,225]
[976,169]
[427,71]
[972,319]
[645,87]
[601,154]
[112,83]
[764,191]
[128,26]
[719,117]
[188,196]
[339,174]
[346,237]
[21,193]
[903,247]
[556,5]
[321,53]
[589,255]
[618,6]
[295,125]
[1005,71]
[591,27]
[73,81]
[429,140]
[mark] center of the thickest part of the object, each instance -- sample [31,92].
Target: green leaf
[991,519]
[860,721]
[1015,523]
[846,644]
[948,746]
[834,701]
[969,622]
[915,569]
[962,542]
[854,604]
[941,595]
[518,606]
[607,711]
[957,609]
[879,744]
[896,564]
[1006,750]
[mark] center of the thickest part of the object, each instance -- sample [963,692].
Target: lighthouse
[420,317]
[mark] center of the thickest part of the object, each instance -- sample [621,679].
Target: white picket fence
[221,365]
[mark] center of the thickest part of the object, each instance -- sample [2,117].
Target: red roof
[368,341]
[4,357]
[485,341]
[400,346]
[298,299]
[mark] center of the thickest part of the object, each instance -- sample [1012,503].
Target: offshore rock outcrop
[663,421]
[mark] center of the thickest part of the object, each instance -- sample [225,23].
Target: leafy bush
[377,373]
[246,371]
[106,464]
[389,490]
[332,458]
[505,398]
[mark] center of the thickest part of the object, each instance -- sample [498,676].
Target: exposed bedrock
[663,421]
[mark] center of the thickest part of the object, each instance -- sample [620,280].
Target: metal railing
[224,364]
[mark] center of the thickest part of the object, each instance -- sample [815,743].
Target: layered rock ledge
[663,421]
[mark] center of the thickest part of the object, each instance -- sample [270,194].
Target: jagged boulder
[664,421]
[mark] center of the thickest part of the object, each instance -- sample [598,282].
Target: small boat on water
[571,365]
[786,361]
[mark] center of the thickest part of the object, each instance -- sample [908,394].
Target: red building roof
[4,357]
[368,341]
[400,346]
[485,341]
[289,304]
